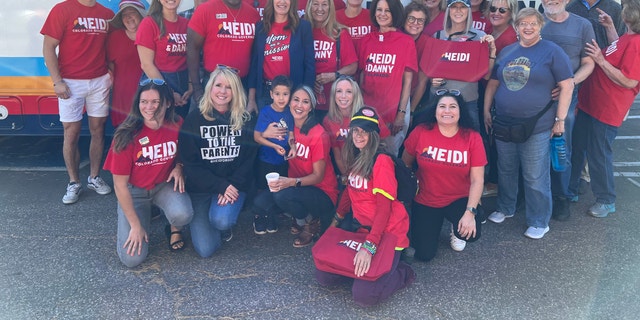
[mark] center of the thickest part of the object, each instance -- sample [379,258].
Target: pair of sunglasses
[453,92]
[501,10]
[157,82]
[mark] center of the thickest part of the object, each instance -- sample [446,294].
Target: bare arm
[612,72]
[194,47]
[420,90]
[564,100]
[147,57]
[408,159]
[404,100]
[467,224]
[586,68]
[51,60]
[606,21]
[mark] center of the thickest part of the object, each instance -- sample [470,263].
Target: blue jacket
[301,57]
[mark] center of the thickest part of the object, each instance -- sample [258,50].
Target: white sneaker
[456,244]
[73,192]
[536,233]
[98,185]
[498,217]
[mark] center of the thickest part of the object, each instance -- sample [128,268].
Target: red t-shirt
[276,52]
[362,195]
[420,45]
[463,61]
[434,26]
[310,148]
[257,4]
[444,164]
[122,52]
[506,38]
[149,157]
[325,53]
[359,26]
[383,60]
[82,32]
[170,49]
[228,34]
[480,22]
[602,98]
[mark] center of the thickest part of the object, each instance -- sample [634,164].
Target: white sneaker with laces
[498,217]
[456,244]
[73,193]
[536,233]
[98,185]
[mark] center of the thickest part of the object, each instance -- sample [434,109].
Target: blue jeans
[209,219]
[533,156]
[593,141]
[298,202]
[472,109]
[560,180]
[176,207]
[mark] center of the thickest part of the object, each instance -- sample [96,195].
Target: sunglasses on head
[345,77]
[157,82]
[232,69]
[453,92]
[501,10]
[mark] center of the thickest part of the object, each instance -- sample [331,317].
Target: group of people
[207,106]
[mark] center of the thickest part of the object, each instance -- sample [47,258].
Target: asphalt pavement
[59,261]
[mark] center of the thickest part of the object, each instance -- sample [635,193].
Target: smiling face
[344,95]
[131,19]
[496,18]
[281,7]
[447,111]
[221,94]
[432,4]
[150,107]
[383,14]
[300,105]
[170,4]
[458,12]
[320,10]
[414,25]
[528,29]
[360,137]
[280,96]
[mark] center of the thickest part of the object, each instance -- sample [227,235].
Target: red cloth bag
[463,61]
[335,250]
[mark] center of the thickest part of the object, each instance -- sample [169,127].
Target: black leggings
[426,224]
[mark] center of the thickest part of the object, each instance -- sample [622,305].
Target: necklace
[235,16]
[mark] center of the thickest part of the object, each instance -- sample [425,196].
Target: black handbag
[513,129]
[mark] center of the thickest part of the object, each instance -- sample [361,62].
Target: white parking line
[627,174]
[627,137]
[633,117]
[626,164]
[634,182]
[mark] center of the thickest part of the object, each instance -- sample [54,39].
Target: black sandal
[176,245]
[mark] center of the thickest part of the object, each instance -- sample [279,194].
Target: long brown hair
[269,16]
[360,162]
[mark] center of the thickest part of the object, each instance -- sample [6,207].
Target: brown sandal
[295,227]
[308,234]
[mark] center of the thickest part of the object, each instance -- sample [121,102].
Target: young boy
[273,153]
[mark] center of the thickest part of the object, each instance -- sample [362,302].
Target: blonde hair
[330,27]
[357,103]
[238,104]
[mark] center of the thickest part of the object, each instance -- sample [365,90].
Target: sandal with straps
[175,245]
[308,234]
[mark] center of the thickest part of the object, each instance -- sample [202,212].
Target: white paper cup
[272,176]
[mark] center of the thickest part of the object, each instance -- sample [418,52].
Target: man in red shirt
[78,28]
[224,31]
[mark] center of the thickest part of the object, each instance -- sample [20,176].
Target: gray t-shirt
[571,35]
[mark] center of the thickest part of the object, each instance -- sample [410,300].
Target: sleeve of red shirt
[629,66]
[54,25]
[478,156]
[411,141]
[412,56]
[347,49]
[147,34]
[384,183]
[119,163]
[196,22]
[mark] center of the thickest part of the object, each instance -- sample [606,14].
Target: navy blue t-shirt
[285,120]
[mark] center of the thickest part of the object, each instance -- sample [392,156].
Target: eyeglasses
[232,69]
[419,21]
[157,82]
[524,24]
[453,92]
[501,10]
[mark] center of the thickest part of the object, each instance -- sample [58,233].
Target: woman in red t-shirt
[310,191]
[435,16]
[143,161]
[123,59]
[451,158]
[415,17]
[334,50]
[162,47]
[371,196]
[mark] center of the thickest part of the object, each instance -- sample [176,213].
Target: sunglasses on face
[501,10]
[157,82]
[419,21]
[453,92]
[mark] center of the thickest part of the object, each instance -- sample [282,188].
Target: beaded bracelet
[369,246]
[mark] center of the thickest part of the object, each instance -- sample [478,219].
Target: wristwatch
[472,210]
[558,119]
[298,182]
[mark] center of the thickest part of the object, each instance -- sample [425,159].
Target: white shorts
[92,93]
